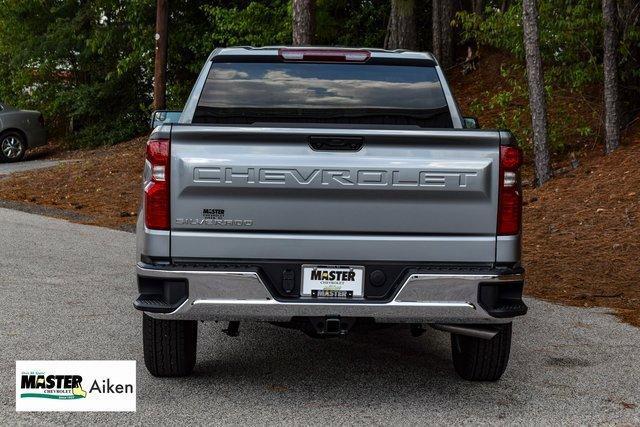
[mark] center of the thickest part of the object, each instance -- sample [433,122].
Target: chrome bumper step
[242,295]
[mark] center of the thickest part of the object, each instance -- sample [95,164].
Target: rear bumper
[421,298]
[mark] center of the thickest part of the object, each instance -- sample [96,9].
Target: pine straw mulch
[99,187]
[582,235]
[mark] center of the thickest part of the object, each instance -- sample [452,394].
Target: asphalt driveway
[27,165]
[66,293]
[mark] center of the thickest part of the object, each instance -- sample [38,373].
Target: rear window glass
[249,92]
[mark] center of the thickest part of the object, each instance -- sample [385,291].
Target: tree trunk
[303,22]
[401,31]
[612,116]
[537,100]
[442,36]
[505,5]
[478,7]
[446,16]
[436,35]
[160,66]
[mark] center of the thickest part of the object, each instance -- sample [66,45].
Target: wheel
[12,147]
[478,359]
[169,346]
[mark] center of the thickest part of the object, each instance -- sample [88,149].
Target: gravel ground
[67,292]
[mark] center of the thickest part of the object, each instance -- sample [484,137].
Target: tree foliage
[352,22]
[571,38]
[75,60]
[570,35]
[571,44]
[90,62]
[197,27]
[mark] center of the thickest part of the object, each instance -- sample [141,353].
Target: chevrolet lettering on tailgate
[393,178]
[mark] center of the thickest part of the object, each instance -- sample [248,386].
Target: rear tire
[13,147]
[169,346]
[477,359]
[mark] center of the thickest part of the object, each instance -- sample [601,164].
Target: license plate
[332,281]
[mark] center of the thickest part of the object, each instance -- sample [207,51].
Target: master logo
[52,386]
[342,275]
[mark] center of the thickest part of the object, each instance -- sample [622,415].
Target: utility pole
[160,74]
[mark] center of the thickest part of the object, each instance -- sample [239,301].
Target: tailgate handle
[332,143]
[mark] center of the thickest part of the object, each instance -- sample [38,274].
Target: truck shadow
[387,364]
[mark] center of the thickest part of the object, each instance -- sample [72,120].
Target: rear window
[252,92]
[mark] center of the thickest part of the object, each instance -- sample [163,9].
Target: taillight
[510,195]
[41,120]
[324,55]
[156,189]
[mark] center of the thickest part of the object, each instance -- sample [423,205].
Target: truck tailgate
[406,195]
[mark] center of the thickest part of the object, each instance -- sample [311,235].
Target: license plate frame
[346,282]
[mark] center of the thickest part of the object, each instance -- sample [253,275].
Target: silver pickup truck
[329,190]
